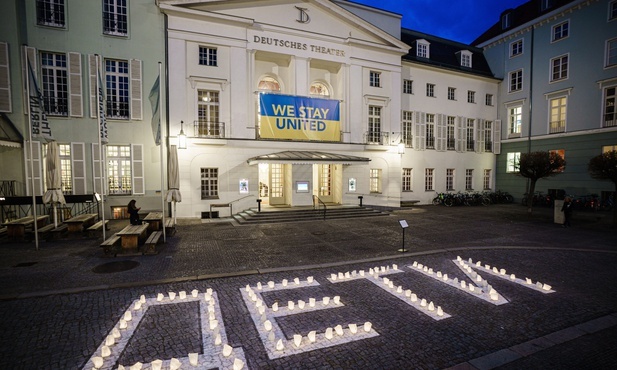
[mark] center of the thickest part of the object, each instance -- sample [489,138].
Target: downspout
[530,100]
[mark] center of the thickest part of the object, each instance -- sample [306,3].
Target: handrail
[319,203]
[244,197]
[228,204]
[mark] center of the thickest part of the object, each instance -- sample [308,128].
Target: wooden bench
[151,242]
[78,223]
[3,231]
[48,232]
[58,232]
[96,227]
[170,228]
[110,246]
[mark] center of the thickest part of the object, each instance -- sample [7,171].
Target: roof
[306,157]
[520,15]
[443,53]
[9,135]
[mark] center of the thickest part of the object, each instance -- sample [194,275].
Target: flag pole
[162,140]
[29,71]
[98,114]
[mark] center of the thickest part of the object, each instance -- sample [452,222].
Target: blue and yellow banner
[299,118]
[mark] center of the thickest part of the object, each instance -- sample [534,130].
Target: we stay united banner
[299,118]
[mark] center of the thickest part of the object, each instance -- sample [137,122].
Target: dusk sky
[458,20]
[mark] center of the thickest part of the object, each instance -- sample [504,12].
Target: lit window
[471,96]
[451,93]
[430,90]
[428,179]
[609,107]
[66,168]
[449,179]
[468,179]
[374,125]
[374,79]
[516,48]
[515,118]
[562,154]
[558,115]
[115,19]
[117,83]
[208,124]
[268,84]
[375,180]
[119,169]
[407,87]
[207,56]
[407,179]
[559,68]
[320,89]
[486,180]
[209,183]
[609,148]
[611,53]
[55,84]
[50,13]
[512,163]
[561,31]
[516,80]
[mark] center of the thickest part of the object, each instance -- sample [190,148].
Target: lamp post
[181,137]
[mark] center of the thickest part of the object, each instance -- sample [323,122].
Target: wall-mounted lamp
[401,147]
[181,137]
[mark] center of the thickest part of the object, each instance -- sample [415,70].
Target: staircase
[251,216]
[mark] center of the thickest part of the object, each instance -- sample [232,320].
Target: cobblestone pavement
[57,313]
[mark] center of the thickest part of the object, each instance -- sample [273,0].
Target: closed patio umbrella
[53,194]
[173,177]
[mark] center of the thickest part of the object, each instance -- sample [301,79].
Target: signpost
[404,225]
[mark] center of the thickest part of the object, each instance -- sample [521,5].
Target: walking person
[567,211]
[134,212]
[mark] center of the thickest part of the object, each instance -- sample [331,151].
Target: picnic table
[131,234]
[17,228]
[154,219]
[78,223]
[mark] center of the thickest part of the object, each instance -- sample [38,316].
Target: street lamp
[181,137]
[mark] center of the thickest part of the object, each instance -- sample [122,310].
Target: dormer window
[506,18]
[545,4]
[422,49]
[464,58]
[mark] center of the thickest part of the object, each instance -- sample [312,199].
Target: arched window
[268,84]
[319,88]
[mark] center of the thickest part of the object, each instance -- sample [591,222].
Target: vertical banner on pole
[102,137]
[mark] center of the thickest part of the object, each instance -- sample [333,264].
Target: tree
[604,167]
[538,165]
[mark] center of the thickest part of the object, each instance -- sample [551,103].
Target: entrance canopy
[9,135]
[307,157]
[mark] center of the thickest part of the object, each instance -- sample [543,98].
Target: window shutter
[440,140]
[138,168]
[92,81]
[38,177]
[96,168]
[78,165]
[460,137]
[75,88]
[497,137]
[31,55]
[480,136]
[136,90]
[420,128]
[5,79]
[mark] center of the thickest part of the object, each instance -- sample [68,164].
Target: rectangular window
[516,48]
[430,131]
[611,53]
[55,84]
[66,180]
[470,134]
[562,154]
[422,50]
[471,96]
[515,119]
[451,93]
[374,125]
[119,169]
[488,100]
[561,31]
[208,124]
[468,179]
[407,87]
[558,115]
[451,142]
[430,90]
[428,179]
[609,148]
[449,179]
[115,17]
[486,180]
[609,107]
[207,56]
[407,128]
[209,183]
[50,13]
[512,162]
[516,80]
[466,60]
[374,79]
[612,10]
[117,88]
[559,68]
[407,180]
[488,136]
[375,180]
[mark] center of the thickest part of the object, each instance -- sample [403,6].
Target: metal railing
[376,138]
[609,120]
[209,129]
[557,126]
[317,204]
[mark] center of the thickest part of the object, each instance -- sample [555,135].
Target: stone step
[251,216]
